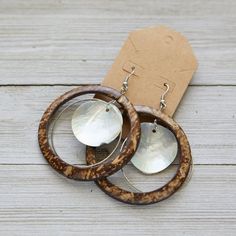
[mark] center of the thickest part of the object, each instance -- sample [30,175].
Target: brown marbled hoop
[145,198]
[107,167]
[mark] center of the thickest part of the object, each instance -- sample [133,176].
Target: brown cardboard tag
[160,55]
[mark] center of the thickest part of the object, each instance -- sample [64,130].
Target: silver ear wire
[125,86]
[163,101]
[162,106]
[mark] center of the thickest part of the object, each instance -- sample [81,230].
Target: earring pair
[96,122]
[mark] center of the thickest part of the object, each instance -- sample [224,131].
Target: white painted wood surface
[46,48]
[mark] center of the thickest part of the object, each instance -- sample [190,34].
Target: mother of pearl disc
[94,125]
[156,151]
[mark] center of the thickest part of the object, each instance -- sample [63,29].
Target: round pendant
[157,149]
[95,123]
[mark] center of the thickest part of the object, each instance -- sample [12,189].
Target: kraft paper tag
[160,55]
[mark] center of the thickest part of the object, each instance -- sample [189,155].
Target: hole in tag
[169,39]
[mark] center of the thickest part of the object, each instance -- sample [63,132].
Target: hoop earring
[104,168]
[145,198]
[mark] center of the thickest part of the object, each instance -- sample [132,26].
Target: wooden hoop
[169,188]
[105,168]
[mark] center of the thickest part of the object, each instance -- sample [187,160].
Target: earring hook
[163,101]
[123,89]
[125,86]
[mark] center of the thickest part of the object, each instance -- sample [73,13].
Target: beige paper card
[160,55]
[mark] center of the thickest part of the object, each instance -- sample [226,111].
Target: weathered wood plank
[110,9]
[34,200]
[74,43]
[207,115]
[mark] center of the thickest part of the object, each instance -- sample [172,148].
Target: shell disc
[156,151]
[94,125]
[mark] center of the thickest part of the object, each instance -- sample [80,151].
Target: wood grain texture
[37,201]
[205,114]
[48,42]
